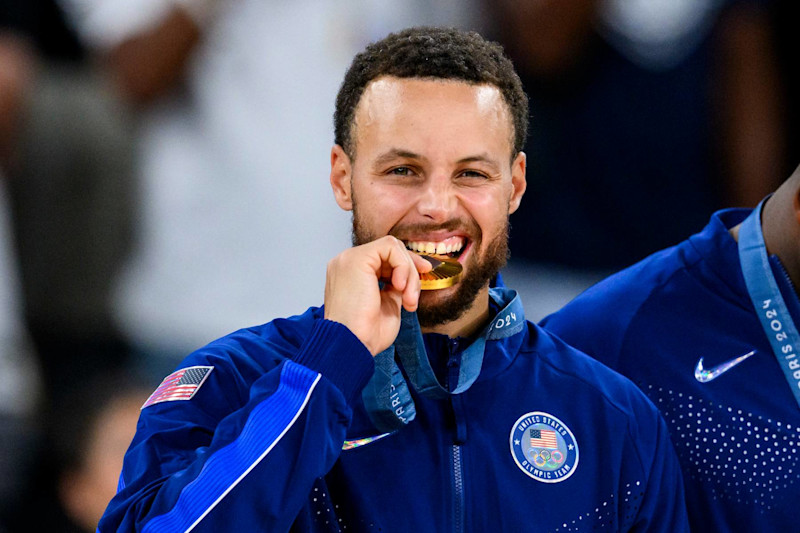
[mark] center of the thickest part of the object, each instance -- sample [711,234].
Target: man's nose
[437,199]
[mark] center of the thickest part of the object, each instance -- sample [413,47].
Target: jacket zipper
[454,362]
[458,496]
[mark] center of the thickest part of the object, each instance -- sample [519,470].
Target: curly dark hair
[428,52]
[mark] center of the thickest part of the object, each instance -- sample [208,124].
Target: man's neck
[469,323]
[773,247]
[734,231]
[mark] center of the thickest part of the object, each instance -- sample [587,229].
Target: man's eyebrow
[395,153]
[479,158]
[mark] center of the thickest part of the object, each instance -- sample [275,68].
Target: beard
[435,310]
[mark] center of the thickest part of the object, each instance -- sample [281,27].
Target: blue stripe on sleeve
[267,424]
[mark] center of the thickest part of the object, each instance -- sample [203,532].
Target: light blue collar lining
[387,397]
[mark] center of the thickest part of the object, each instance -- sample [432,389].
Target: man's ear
[518,182]
[341,175]
[796,204]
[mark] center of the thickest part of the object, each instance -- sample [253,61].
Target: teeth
[434,247]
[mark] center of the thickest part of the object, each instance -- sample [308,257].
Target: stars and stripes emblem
[544,447]
[180,385]
[544,438]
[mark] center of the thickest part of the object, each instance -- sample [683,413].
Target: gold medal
[446,272]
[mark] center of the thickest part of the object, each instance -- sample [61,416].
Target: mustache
[470,228]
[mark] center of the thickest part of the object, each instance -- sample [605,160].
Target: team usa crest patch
[544,447]
[180,385]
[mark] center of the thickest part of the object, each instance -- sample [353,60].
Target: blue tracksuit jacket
[546,439]
[737,436]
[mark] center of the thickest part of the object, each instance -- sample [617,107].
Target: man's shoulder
[585,376]
[659,288]
[597,319]
[614,302]
[277,339]
[631,286]
[229,365]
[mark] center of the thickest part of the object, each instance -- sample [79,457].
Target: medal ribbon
[387,397]
[768,300]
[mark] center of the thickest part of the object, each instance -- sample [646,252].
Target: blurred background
[164,181]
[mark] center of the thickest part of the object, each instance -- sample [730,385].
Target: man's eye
[473,174]
[401,171]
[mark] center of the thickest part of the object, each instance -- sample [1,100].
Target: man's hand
[354,298]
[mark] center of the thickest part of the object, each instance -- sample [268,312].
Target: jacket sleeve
[656,504]
[243,452]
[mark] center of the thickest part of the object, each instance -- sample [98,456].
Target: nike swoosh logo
[350,444]
[705,375]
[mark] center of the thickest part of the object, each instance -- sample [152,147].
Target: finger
[405,278]
[385,273]
[401,264]
[411,293]
[398,253]
[420,263]
[413,287]
[401,268]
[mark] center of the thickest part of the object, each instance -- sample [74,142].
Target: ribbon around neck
[387,396]
[768,301]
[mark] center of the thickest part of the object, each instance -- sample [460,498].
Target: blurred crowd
[164,169]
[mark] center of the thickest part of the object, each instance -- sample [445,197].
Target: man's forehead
[391,88]
[388,98]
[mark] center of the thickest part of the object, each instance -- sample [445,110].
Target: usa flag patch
[180,385]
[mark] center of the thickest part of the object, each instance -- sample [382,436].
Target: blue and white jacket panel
[259,447]
[245,427]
